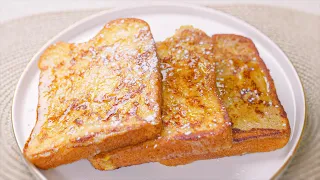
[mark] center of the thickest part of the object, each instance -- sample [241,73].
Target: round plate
[163,20]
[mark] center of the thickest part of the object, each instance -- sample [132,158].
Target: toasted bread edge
[65,155]
[254,140]
[123,157]
[265,144]
[238,136]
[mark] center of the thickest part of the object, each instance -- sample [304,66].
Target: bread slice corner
[96,96]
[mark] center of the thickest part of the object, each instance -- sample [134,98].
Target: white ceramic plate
[163,20]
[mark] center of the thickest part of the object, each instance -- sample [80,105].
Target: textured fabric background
[297,34]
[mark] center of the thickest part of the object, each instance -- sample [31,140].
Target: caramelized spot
[244,85]
[188,84]
[78,121]
[106,78]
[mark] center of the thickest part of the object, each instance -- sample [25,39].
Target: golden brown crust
[262,65]
[195,122]
[157,150]
[244,140]
[240,135]
[70,154]
[255,139]
[264,144]
[258,132]
[84,108]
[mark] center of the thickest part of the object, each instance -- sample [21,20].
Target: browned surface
[68,154]
[264,144]
[257,126]
[96,96]
[194,120]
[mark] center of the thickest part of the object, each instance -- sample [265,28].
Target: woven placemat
[297,34]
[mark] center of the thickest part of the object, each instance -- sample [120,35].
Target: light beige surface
[295,32]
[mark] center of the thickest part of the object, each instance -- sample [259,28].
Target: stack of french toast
[121,99]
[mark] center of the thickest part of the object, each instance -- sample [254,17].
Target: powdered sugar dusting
[164,73]
[150,118]
[100,75]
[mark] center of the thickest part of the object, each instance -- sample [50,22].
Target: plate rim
[207,9]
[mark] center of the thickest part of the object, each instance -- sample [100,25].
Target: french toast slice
[260,123]
[97,96]
[194,120]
